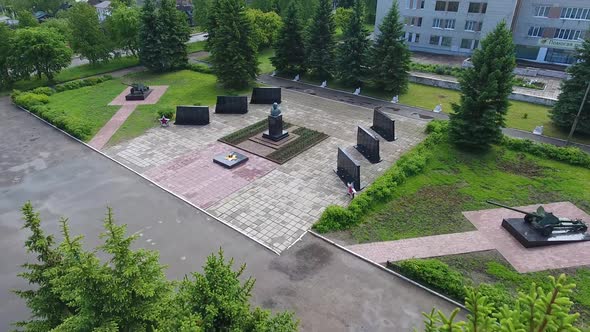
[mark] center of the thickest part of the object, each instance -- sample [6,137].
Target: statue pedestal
[275,130]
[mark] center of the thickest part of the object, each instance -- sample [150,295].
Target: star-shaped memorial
[164,121]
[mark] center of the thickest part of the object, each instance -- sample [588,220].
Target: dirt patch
[520,165]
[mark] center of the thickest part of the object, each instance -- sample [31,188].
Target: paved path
[403,110]
[328,289]
[490,235]
[273,204]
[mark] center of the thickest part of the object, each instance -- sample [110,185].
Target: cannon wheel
[528,218]
[547,230]
[583,229]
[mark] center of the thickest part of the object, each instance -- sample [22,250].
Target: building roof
[104,4]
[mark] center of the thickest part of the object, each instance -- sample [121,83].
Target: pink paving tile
[106,132]
[423,247]
[158,91]
[489,223]
[204,183]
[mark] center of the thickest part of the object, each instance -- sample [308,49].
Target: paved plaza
[490,235]
[274,204]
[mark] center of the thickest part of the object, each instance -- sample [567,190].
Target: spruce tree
[163,35]
[572,94]
[289,55]
[390,57]
[320,43]
[352,52]
[233,53]
[478,120]
[212,23]
[174,33]
[47,308]
[149,40]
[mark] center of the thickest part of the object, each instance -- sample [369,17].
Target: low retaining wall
[455,86]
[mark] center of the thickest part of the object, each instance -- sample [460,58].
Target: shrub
[29,99]
[570,155]
[44,91]
[200,68]
[437,126]
[166,112]
[72,85]
[434,274]
[496,293]
[436,69]
[335,217]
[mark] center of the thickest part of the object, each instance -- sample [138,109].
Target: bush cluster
[166,112]
[436,69]
[434,274]
[36,103]
[339,218]
[200,68]
[570,155]
[73,85]
[307,138]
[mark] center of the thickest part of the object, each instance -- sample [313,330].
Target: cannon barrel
[511,208]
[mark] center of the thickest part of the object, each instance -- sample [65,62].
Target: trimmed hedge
[412,163]
[307,138]
[436,69]
[433,274]
[570,154]
[73,85]
[200,68]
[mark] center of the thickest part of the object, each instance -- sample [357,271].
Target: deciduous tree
[123,27]
[5,72]
[478,120]
[572,94]
[320,45]
[352,52]
[265,27]
[390,57]
[289,48]
[88,37]
[26,19]
[38,50]
[233,52]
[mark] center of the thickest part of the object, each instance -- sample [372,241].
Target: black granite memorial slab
[368,145]
[348,169]
[383,125]
[275,130]
[230,159]
[192,115]
[231,105]
[266,96]
[530,237]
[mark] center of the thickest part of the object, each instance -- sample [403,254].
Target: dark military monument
[138,92]
[383,125]
[231,105]
[275,130]
[230,160]
[348,169]
[192,115]
[266,96]
[368,145]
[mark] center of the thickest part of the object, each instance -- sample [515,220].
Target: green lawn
[455,181]
[78,72]
[264,56]
[88,105]
[185,88]
[196,46]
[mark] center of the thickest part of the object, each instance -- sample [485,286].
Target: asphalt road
[329,289]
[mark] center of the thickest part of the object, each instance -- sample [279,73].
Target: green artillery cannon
[547,222]
[139,88]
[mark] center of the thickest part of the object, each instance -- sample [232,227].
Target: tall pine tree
[352,52]
[233,53]
[163,35]
[212,23]
[478,120]
[320,43]
[572,94]
[289,55]
[47,308]
[390,57]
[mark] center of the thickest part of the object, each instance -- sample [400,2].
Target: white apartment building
[544,31]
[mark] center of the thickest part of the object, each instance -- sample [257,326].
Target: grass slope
[455,181]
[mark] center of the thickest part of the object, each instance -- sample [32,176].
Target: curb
[572,143]
[433,292]
[150,181]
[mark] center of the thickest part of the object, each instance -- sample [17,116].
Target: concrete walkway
[399,109]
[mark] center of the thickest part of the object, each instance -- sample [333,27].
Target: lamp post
[575,124]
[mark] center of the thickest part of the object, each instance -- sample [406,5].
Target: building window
[446,41]
[440,6]
[472,26]
[437,23]
[453,6]
[478,7]
[575,13]
[450,24]
[560,56]
[536,31]
[567,34]
[422,4]
[542,11]
[469,44]
[413,37]
[415,4]
[417,21]
[435,40]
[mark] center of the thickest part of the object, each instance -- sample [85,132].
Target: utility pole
[569,137]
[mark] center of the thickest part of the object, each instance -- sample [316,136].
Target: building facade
[545,31]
